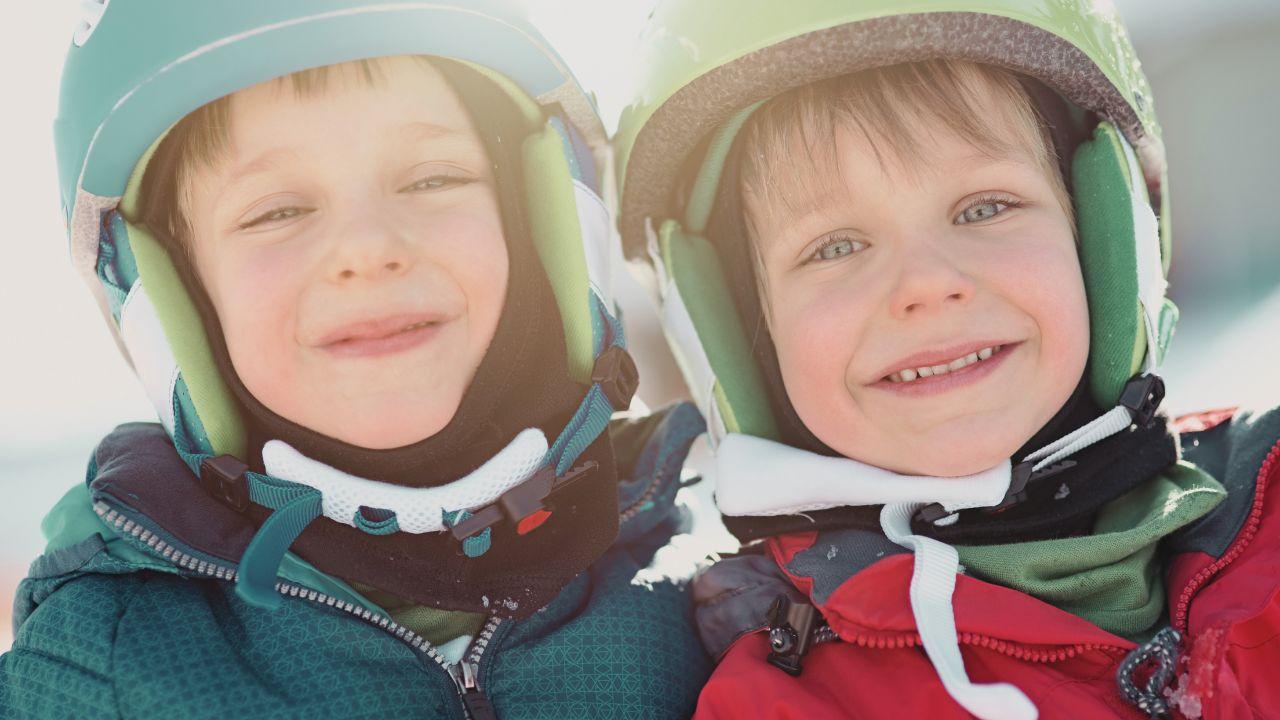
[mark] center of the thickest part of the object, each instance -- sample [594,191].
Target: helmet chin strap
[747,471]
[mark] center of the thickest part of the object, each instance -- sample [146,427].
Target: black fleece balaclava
[523,381]
[1110,467]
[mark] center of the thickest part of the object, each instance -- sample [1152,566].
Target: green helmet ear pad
[166,340]
[1114,241]
[1111,205]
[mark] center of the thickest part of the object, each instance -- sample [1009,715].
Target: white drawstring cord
[933,580]
[1117,419]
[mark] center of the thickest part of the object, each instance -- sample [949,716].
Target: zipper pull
[473,698]
[792,628]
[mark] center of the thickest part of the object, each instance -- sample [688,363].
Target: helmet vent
[90,15]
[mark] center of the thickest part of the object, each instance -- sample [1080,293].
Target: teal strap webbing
[593,414]
[295,506]
[591,419]
[382,526]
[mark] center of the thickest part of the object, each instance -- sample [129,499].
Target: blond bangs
[786,149]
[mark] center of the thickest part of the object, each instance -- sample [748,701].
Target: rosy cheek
[815,334]
[259,298]
[1043,278]
[472,247]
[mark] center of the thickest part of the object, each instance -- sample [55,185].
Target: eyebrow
[418,131]
[412,132]
[798,208]
[260,164]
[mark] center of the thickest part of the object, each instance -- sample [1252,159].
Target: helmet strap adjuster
[223,477]
[616,374]
[525,505]
[1142,396]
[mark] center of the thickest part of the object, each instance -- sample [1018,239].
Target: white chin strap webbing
[933,579]
[417,510]
[747,473]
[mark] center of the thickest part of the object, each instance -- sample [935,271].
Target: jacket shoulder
[62,660]
[650,453]
[1233,445]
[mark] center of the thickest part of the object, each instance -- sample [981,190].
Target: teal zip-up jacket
[122,618]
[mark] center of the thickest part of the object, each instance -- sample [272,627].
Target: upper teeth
[943,368]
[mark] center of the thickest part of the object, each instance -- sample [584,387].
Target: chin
[387,429]
[971,461]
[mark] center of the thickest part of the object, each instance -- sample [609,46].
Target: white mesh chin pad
[417,510]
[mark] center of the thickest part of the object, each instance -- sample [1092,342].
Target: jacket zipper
[466,675]
[1245,536]
[474,702]
[824,634]
[635,507]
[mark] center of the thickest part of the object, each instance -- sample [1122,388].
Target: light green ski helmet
[136,67]
[705,64]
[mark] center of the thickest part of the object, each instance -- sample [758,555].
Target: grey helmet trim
[697,109]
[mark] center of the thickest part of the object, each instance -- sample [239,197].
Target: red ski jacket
[1222,581]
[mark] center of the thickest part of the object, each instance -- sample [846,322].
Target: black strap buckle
[224,478]
[1142,396]
[616,374]
[524,505]
[791,626]
[931,513]
[1024,475]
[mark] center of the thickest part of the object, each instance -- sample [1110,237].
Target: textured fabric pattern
[160,646]
[621,660]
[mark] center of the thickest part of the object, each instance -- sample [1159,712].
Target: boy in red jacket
[913,266]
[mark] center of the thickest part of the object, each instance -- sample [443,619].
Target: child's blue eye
[985,209]
[837,247]
[275,215]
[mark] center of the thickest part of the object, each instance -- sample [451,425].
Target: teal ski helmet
[119,96]
[701,77]
[135,68]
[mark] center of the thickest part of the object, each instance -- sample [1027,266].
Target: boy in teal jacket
[355,253]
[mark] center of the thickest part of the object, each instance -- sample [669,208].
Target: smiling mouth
[909,375]
[376,335]
[382,337]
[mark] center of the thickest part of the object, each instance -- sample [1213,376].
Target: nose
[928,281]
[368,248]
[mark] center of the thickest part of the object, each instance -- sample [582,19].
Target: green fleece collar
[1111,578]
